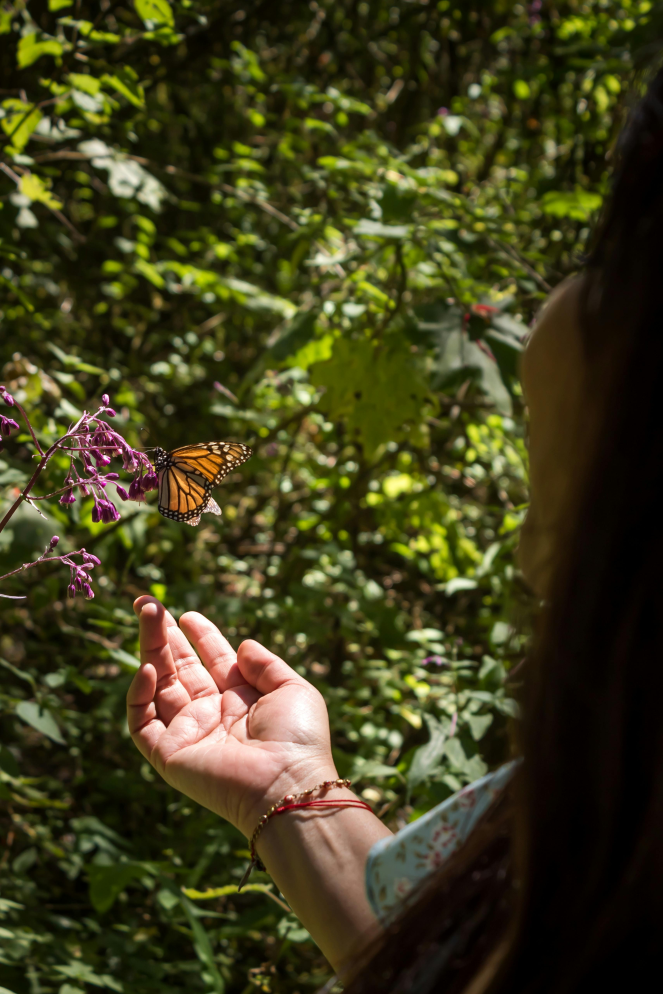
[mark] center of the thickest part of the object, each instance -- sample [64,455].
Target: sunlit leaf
[31,47]
[155,12]
[40,719]
[578,205]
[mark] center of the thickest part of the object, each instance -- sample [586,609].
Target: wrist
[293,780]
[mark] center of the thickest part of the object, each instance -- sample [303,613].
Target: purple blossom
[6,424]
[101,458]
[92,444]
[108,511]
[79,574]
[535,12]
[150,481]
[136,490]
[129,460]
[438,660]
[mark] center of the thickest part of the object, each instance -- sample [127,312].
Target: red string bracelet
[290,803]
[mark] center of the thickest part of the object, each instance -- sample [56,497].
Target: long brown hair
[565,874]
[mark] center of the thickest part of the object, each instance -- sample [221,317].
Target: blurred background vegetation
[322,229]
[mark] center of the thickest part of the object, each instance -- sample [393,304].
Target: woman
[559,887]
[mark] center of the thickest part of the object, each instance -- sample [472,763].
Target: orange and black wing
[210,460]
[182,496]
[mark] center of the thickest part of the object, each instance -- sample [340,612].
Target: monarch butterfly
[188,475]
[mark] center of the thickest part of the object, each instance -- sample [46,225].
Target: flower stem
[30,428]
[44,559]
[45,456]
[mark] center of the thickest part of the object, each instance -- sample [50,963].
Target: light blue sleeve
[397,864]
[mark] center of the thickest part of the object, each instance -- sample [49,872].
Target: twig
[248,198]
[44,558]
[515,256]
[56,213]
[10,172]
[45,456]
[29,426]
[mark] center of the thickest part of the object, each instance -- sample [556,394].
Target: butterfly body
[188,475]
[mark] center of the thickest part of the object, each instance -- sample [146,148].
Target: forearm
[317,859]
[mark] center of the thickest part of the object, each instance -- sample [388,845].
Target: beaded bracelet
[290,803]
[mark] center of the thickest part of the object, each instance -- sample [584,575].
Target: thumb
[262,669]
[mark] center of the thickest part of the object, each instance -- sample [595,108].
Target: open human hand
[233,731]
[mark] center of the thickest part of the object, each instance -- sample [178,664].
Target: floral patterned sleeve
[398,863]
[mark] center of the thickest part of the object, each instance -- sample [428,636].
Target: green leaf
[370,769]
[428,757]
[84,972]
[85,83]
[578,206]
[108,882]
[459,583]
[212,893]
[125,81]
[6,18]
[74,362]
[42,721]
[35,188]
[201,940]
[298,333]
[155,12]
[521,89]
[507,353]
[479,725]
[8,763]
[30,48]
[291,929]
[87,30]
[441,326]
[20,121]
[126,661]
[54,5]
[377,390]
[375,229]
[150,273]
[455,752]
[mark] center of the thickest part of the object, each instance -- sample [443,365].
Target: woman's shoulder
[399,862]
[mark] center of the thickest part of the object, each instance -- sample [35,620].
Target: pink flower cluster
[92,444]
[79,575]
[95,444]
[6,424]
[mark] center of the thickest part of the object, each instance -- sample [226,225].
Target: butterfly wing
[189,474]
[210,460]
[182,496]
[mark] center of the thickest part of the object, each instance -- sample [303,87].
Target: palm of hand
[235,733]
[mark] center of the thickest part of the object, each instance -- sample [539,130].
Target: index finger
[193,676]
[214,649]
[155,650]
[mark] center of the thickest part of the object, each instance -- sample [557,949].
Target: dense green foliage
[344,215]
